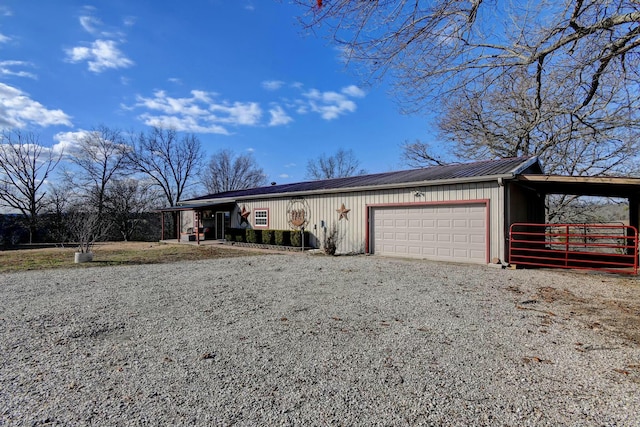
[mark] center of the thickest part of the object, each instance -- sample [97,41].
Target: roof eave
[202,203]
[525,165]
[430,183]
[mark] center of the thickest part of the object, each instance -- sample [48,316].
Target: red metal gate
[603,247]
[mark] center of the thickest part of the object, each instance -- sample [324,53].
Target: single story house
[457,212]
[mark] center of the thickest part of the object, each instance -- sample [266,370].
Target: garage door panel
[444,238]
[477,239]
[450,233]
[414,223]
[461,238]
[443,223]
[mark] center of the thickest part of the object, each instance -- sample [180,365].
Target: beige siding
[353,231]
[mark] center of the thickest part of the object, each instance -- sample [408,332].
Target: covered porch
[197,223]
[611,247]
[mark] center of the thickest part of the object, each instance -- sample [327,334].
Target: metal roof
[460,172]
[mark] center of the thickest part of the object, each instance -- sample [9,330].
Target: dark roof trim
[197,206]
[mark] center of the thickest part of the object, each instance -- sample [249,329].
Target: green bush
[278,237]
[295,238]
[268,237]
[282,237]
[235,234]
[254,236]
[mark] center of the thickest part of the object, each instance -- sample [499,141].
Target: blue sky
[239,74]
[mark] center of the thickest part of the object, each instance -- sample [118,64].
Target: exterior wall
[354,230]
[186,220]
[523,205]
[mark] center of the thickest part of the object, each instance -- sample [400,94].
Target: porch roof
[604,186]
[199,206]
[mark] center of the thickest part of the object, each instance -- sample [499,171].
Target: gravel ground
[312,340]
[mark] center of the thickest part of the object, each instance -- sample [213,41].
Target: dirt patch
[549,294]
[615,309]
[620,317]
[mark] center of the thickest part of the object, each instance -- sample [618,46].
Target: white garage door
[439,232]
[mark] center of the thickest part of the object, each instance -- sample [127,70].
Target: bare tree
[506,121]
[85,226]
[100,154]
[227,171]
[419,154]
[59,198]
[25,166]
[170,162]
[439,47]
[342,164]
[127,202]
[557,79]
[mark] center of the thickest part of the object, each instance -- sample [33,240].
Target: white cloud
[101,55]
[5,11]
[330,105]
[353,91]
[129,21]
[94,25]
[283,175]
[238,113]
[175,80]
[203,111]
[17,110]
[251,150]
[290,165]
[198,113]
[90,24]
[6,69]
[4,39]
[272,84]
[68,141]
[279,117]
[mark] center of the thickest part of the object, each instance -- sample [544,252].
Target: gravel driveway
[312,340]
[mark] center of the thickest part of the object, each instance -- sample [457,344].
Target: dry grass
[116,253]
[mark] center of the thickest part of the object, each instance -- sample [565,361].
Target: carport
[607,247]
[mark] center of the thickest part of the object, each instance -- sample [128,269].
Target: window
[261,217]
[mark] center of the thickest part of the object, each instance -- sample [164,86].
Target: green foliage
[278,237]
[254,236]
[282,237]
[235,235]
[296,238]
[268,237]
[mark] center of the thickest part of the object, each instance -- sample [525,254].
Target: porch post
[634,218]
[197,227]
[162,225]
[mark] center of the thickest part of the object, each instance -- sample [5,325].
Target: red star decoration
[343,212]
[244,215]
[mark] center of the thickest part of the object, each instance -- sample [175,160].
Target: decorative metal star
[244,215]
[343,212]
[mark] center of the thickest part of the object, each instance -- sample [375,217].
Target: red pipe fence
[603,247]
